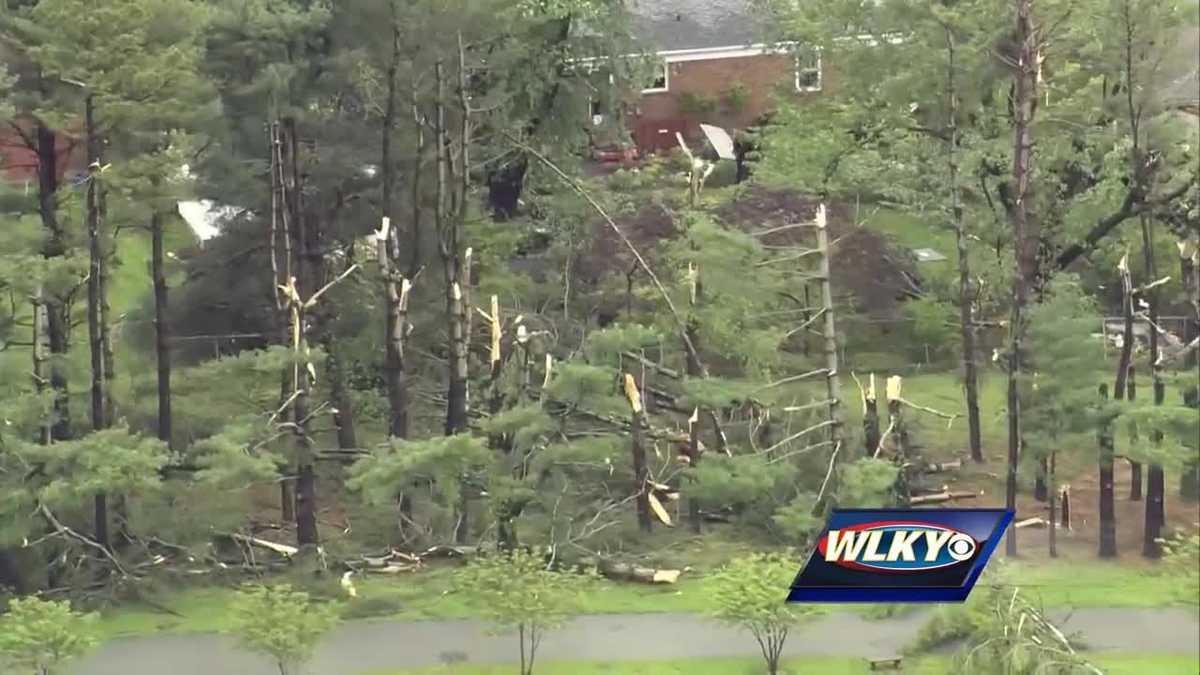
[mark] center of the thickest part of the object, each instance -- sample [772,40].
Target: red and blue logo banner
[900,555]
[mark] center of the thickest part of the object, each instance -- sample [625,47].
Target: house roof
[670,25]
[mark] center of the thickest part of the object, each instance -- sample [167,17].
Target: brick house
[19,162]
[714,69]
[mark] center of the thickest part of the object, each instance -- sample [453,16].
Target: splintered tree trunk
[57,321]
[1155,480]
[162,328]
[1108,517]
[966,298]
[306,265]
[1024,239]
[833,387]
[641,472]
[395,285]
[871,430]
[694,369]
[900,433]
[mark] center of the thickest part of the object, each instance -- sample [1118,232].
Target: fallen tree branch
[793,378]
[87,541]
[798,434]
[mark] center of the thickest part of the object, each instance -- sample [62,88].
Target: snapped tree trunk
[1125,385]
[1108,517]
[833,387]
[641,473]
[1023,237]
[306,264]
[871,430]
[395,286]
[694,369]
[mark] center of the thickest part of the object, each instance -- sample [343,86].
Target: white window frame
[820,73]
[666,71]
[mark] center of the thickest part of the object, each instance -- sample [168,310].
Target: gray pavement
[375,645]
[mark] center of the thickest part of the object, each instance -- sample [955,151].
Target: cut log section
[942,497]
[657,509]
[942,467]
[646,575]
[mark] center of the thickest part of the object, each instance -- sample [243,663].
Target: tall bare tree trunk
[1189,269]
[1135,468]
[95,329]
[966,298]
[1108,517]
[448,226]
[306,264]
[1024,238]
[280,245]
[395,285]
[1155,480]
[162,327]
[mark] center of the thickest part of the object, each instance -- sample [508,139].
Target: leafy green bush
[746,594]
[281,623]
[42,635]
[518,591]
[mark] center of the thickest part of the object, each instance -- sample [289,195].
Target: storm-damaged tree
[127,106]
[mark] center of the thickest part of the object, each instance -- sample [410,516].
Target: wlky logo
[900,555]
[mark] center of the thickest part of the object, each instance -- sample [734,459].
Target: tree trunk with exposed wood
[641,473]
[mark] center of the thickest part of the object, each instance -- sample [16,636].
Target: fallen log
[942,497]
[282,549]
[1031,522]
[942,467]
[647,575]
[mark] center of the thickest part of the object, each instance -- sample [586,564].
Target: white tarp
[720,140]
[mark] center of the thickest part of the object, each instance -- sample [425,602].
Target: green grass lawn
[1112,664]
[824,666]
[431,594]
